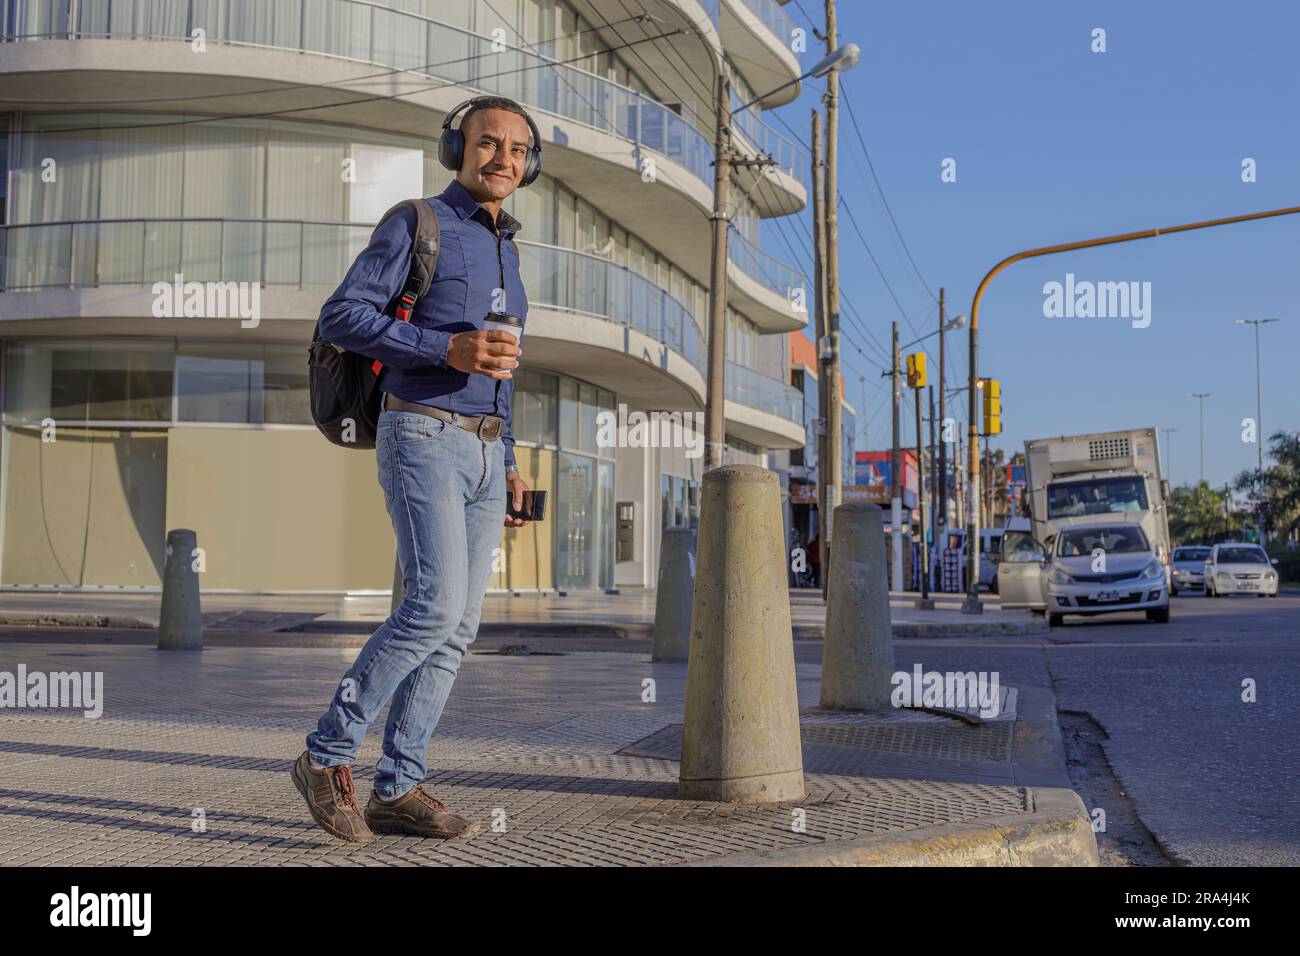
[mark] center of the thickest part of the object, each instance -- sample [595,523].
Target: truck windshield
[1102,496]
[1081,541]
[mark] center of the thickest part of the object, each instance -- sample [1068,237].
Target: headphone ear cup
[532,167]
[451,149]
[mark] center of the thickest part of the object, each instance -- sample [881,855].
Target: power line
[872,166]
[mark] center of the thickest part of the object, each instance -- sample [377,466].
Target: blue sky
[1055,143]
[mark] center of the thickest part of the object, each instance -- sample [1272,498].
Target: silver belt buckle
[493,426]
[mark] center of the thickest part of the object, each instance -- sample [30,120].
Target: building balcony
[588,317]
[759,38]
[763,411]
[416,48]
[771,293]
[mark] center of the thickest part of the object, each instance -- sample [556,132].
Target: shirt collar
[458,198]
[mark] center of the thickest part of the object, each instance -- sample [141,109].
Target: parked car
[1068,577]
[1239,569]
[1187,568]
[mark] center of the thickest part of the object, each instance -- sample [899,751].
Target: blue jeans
[446,493]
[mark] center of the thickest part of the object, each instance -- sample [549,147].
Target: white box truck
[1107,473]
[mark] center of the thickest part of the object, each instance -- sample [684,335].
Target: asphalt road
[1216,780]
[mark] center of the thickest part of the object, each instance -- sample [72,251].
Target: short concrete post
[399,585]
[858,648]
[740,741]
[674,596]
[180,618]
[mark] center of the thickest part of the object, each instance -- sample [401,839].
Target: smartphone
[534,508]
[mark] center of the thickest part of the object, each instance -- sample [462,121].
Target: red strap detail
[404,306]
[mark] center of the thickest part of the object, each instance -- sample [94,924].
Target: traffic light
[916,370]
[992,406]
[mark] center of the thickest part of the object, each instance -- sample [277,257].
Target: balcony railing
[366,32]
[748,387]
[769,271]
[773,16]
[378,35]
[304,254]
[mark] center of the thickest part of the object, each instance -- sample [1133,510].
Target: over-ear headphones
[451,146]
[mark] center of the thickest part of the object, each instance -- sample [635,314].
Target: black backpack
[343,385]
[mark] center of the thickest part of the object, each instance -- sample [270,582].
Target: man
[446,463]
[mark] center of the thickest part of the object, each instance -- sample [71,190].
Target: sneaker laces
[341,777]
[431,800]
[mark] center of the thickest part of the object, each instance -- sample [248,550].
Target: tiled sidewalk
[558,755]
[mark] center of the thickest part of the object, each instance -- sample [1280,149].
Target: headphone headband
[451,145]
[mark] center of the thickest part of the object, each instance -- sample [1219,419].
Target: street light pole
[1169,452]
[1259,424]
[971,604]
[1202,396]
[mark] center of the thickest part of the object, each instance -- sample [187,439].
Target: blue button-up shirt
[476,257]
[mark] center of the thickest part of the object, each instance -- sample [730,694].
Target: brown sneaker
[418,813]
[332,800]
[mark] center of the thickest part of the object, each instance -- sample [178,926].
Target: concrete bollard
[740,740]
[858,649]
[674,596]
[399,585]
[180,619]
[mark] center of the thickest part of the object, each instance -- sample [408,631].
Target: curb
[64,619]
[630,631]
[1057,831]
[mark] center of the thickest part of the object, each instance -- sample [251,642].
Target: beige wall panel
[280,509]
[86,508]
[530,550]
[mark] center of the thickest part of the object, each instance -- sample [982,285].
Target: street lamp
[715,427]
[1202,396]
[1259,422]
[1169,452]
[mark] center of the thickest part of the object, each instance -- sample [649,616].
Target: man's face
[496,146]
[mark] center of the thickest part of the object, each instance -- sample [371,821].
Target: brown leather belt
[486,427]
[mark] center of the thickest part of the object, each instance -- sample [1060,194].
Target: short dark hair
[493,103]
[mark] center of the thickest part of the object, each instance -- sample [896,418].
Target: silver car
[1187,568]
[1092,567]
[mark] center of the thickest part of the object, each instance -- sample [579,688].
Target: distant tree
[1278,486]
[1196,514]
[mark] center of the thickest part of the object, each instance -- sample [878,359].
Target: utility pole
[972,603]
[896,479]
[715,424]
[834,427]
[924,603]
[1202,396]
[819,280]
[934,477]
[941,509]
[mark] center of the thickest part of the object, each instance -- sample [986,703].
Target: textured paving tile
[536,747]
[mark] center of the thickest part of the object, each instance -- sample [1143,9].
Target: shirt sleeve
[353,317]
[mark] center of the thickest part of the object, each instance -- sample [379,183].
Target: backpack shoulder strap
[424,253]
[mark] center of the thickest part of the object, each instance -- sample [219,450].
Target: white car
[1092,567]
[1239,569]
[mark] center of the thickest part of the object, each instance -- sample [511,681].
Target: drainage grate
[984,742]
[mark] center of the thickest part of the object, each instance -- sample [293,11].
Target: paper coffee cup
[505,323]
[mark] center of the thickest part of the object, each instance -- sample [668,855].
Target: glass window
[568,413]
[587,424]
[533,409]
[219,383]
[95,381]
[575,522]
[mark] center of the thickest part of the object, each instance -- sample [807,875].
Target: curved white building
[255,143]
